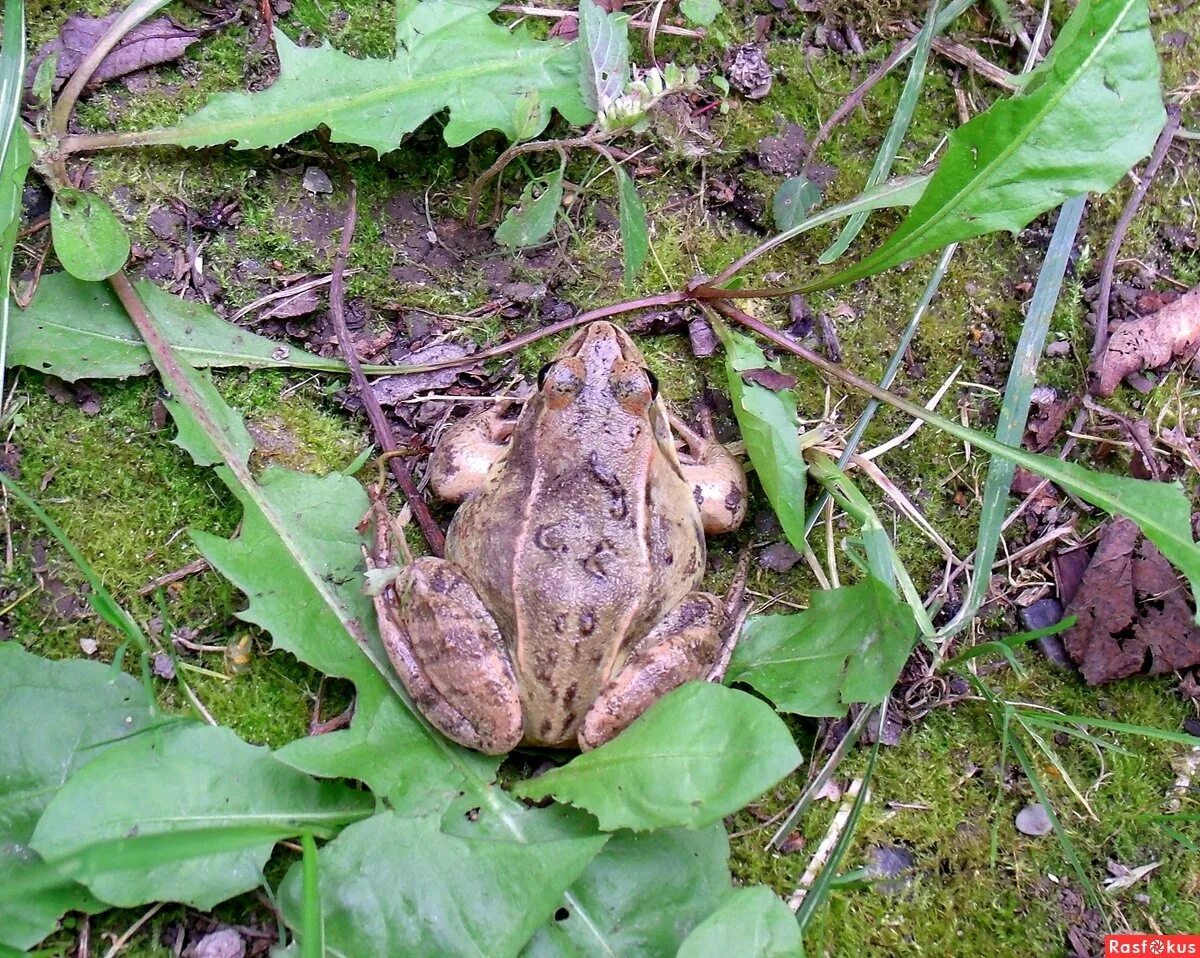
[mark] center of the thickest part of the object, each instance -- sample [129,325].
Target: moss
[127,496]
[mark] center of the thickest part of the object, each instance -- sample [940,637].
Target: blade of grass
[905,107]
[14,156]
[100,599]
[312,944]
[889,376]
[1014,411]
[1001,711]
[1146,731]
[1005,646]
[818,784]
[821,889]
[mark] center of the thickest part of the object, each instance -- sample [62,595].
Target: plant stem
[432,532]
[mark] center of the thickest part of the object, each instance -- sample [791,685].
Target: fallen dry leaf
[1152,341]
[1133,613]
[769,378]
[158,41]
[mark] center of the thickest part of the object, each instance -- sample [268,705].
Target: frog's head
[599,365]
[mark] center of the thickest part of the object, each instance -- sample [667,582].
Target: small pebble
[163,667]
[1033,820]
[225,943]
[88,645]
[317,180]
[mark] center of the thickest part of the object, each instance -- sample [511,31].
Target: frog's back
[580,541]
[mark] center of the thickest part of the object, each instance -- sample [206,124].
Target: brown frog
[567,603]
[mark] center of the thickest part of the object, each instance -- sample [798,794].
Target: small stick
[432,532]
[825,849]
[132,930]
[194,567]
[562,14]
[1118,234]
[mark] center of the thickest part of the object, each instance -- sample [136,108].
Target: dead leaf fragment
[391,390]
[1133,612]
[158,41]
[769,378]
[748,71]
[1150,342]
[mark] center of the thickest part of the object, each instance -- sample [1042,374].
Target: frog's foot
[466,451]
[717,480]
[685,646]
[448,652]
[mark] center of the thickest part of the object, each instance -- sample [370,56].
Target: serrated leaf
[400,886]
[533,219]
[57,717]
[604,54]
[449,55]
[1088,112]
[696,755]
[847,647]
[391,753]
[796,196]
[769,425]
[187,777]
[640,896]
[89,240]
[702,12]
[193,438]
[76,329]
[752,923]
[635,234]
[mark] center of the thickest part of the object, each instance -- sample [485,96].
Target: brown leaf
[769,378]
[1133,614]
[158,41]
[391,390]
[1150,342]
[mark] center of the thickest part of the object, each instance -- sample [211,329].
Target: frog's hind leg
[687,645]
[448,652]
[466,452]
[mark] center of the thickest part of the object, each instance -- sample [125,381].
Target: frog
[569,599]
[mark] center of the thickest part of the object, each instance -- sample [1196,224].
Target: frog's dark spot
[597,656]
[698,495]
[548,538]
[587,623]
[596,564]
[544,730]
[543,663]
[734,497]
[569,698]
[619,509]
[560,623]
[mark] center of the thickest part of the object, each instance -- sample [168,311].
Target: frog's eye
[542,373]
[653,384]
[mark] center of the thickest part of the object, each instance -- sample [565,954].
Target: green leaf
[604,54]
[702,12]
[89,240]
[848,646]
[449,55]
[75,330]
[15,155]
[698,754]
[640,896]
[57,717]
[796,196]
[635,234]
[533,219]
[396,756]
[769,425]
[192,438]
[191,777]
[400,886]
[753,923]
[1089,111]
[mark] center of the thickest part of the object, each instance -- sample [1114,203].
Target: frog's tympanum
[567,603]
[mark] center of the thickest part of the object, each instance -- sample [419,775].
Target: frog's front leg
[717,480]
[466,452]
[685,646]
[448,651]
